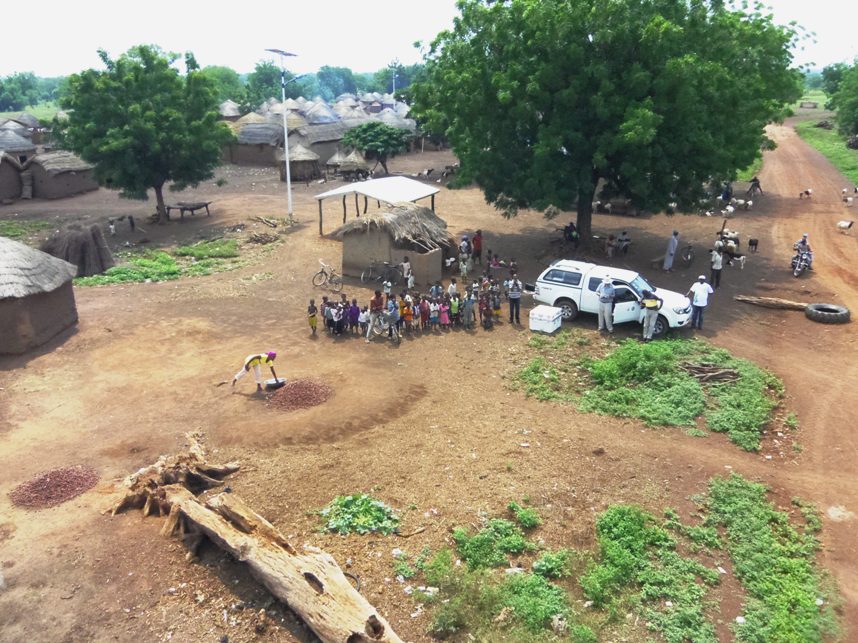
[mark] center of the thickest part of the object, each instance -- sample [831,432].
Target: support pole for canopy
[357,205]
[320,217]
[365,201]
[433,203]
[344,207]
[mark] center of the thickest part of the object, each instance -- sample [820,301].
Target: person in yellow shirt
[651,303]
[255,362]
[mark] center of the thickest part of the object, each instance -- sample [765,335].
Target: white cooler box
[546,319]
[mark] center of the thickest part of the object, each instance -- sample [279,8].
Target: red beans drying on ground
[54,487]
[300,394]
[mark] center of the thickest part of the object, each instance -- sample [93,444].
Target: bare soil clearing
[429,426]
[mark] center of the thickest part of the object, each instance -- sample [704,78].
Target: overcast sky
[61,38]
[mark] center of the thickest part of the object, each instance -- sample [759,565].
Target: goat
[752,244]
[849,201]
[844,226]
[805,193]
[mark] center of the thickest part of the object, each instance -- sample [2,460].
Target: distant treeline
[24,89]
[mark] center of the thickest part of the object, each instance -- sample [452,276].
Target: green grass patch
[217,249]
[491,544]
[159,265]
[788,600]
[553,564]
[22,229]
[651,381]
[832,146]
[527,517]
[359,514]
[44,111]
[638,556]
[791,421]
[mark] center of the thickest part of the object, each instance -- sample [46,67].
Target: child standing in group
[354,316]
[408,313]
[444,312]
[424,314]
[434,311]
[363,320]
[311,315]
[454,310]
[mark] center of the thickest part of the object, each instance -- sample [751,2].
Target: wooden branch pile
[262,238]
[311,583]
[710,373]
[771,302]
[271,223]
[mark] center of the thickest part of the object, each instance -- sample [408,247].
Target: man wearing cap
[699,296]
[255,361]
[651,303]
[606,293]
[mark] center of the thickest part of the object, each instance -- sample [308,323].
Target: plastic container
[546,319]
[272,384]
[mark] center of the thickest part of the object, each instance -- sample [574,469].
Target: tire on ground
[827,313]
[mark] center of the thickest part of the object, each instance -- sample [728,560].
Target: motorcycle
[800,263]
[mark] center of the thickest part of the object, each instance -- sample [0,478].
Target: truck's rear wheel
[568,308]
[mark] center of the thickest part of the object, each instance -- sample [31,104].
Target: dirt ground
[430,426]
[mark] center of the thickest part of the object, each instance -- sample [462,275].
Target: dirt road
[431,424]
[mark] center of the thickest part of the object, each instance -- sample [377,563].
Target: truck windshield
[639,284]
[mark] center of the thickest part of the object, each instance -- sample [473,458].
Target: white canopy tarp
[391,190]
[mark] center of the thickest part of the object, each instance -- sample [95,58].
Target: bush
[359,513]
[528,518]
[552,564]
[533,600]
[489,547]
[219,248]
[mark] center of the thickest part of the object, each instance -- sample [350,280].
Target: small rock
[668,603]
[721,570]
[819,602]
[588,603]
[397,552]
[526,445]
[598,451]
[740,620]
[513,570]
[408,590]
[559,624]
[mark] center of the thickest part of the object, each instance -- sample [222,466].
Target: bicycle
[328,275]
[390,273]
[383,325]
[687,255]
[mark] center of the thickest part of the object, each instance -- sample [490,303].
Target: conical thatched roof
[408,223]
[320,113]
[336,159]
[354,161]
[28,119]
[291,103]
[12,125]
[294,120]
[11,142]
[298,152]
[229,109]
[59,161]
[251,117]
[301,101]
[25,271]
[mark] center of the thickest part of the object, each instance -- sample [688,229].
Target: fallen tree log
[771,302]
[311,582]
[710,373]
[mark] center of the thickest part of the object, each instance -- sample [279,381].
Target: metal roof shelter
[390,190]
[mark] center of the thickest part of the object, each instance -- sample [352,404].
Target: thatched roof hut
[267,133]
[229,110]
[84,248]
[336,159]
[320,113]
[36,297]
[291,103]
[389,234]
[257,144]
[321,138]
[19,146]
[28,120]
[11,125]
[303,164]
[354,162]
[10,177]
[59,174]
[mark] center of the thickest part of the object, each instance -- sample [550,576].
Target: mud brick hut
[303,164]
[10,178]
[36,297]
[392,233]
[257,144]
[60,174]
[321,138]
[18,146]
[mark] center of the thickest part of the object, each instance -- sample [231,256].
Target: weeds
[791,421]
[22,229]
[775,564]
[157,265]
[359,513]
[217,249]
[552,564]
[489,546]
[528,518]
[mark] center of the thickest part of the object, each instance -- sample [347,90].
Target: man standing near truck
[606,293]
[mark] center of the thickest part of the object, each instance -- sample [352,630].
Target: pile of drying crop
[300,394]
[54,487]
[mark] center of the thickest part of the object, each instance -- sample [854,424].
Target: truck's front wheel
[661,327]
[568,308]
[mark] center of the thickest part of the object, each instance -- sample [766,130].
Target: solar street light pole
[283,84]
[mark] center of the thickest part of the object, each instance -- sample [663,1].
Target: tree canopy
[142,124]
[226,83]
[334,81]
[377,140]
[543,101]
[845,100]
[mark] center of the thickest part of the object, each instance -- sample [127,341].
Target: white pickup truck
[571,286]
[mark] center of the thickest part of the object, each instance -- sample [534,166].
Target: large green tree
[377,141]
[142,124]
[226,83]
[334,81]
[845,100]
[547,99]
[19,91]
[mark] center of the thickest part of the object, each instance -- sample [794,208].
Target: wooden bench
[192,207]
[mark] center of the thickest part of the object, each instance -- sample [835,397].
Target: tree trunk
[310,582]
[159,198]
[383,161]
[585,214]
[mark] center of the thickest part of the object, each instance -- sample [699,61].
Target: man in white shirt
[717,265]
[699,296]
